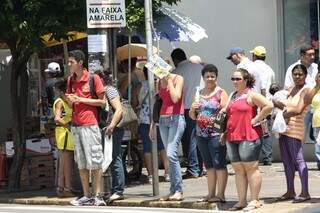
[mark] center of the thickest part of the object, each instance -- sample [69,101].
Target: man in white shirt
[238,58]
[307,56]
[267,78]
[191,73]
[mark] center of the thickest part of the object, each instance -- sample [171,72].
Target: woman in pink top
[172,125]
[244,135]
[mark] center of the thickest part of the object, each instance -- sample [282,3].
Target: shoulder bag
[220,121]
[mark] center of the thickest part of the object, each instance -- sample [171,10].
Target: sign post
[103,16]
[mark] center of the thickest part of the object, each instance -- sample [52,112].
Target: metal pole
[154,152]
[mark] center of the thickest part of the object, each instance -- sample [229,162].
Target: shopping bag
[279,124]
[107,153]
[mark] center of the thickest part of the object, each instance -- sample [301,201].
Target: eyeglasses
[236,79]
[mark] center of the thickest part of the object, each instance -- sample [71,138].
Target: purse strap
[229,99]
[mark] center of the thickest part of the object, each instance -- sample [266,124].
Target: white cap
[53,67]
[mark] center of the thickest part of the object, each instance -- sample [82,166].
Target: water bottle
[197,95]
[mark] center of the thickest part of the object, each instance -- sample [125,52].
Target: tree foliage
[135,11]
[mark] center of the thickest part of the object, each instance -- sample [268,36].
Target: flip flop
[300,199]
[284,198]
[236,208]
[216,200]
[204,199]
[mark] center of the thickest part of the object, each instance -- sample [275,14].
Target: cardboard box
[38,146]
[34,146]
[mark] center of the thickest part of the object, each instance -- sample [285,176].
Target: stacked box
[38,172]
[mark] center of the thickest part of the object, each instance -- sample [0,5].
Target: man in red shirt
[85,129]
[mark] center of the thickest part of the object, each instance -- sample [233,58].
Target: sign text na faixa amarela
[105,13]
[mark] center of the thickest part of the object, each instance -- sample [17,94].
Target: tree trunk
[19,97]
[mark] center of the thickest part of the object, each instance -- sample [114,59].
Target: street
[13,208]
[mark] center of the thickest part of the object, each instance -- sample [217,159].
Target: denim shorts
[245,151]
[212,152]
[144,134]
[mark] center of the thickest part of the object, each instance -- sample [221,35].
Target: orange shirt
[84,114]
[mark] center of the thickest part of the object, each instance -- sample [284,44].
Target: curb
[130,202]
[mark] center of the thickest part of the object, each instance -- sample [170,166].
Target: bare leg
[61,183]
[222,178]
[254,179]
[147,161]
[84,176]
[212,182]
[241,183]
[97,176]
[68,160]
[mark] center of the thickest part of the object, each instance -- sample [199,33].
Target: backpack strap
[92,88]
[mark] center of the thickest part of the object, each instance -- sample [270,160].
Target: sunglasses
[236,79]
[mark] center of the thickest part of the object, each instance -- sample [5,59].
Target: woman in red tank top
[244,135]
[171,126]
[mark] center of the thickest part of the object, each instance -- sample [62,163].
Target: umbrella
[176,26]
[134,50]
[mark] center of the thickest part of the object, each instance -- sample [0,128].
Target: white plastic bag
[107,153]
[318,139]
[279,124]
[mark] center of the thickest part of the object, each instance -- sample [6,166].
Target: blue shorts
[245,151]
[212,152]
[144,134]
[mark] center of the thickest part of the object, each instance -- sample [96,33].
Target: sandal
[204,199]
[216,200]
[284,198]
[252,205]
[300,199]
[236,208]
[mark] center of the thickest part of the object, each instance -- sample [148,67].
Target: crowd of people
[191,100]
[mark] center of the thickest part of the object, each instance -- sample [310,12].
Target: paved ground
[138,194]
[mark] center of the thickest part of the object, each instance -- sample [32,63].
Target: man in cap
[267,78]
[52,71]
[238,58]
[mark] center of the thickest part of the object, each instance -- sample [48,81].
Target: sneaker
[115,197]
[149,179]
[83,201]
[166,178]
[98,201]
[177,196]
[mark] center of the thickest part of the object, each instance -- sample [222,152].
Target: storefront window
[301,21]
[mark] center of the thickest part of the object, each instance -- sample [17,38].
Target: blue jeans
[266,149]
[117,171]
[190,144]
[171,130]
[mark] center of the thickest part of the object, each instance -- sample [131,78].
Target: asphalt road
[13,208]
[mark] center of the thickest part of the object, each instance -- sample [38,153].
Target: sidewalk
[137,194]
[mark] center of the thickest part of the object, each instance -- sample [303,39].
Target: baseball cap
[235,50]
[259,51]
[53,67]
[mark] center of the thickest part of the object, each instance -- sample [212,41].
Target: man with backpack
[85,129]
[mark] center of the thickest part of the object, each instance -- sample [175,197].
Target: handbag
[156,109]
[128,114]
[220,121]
